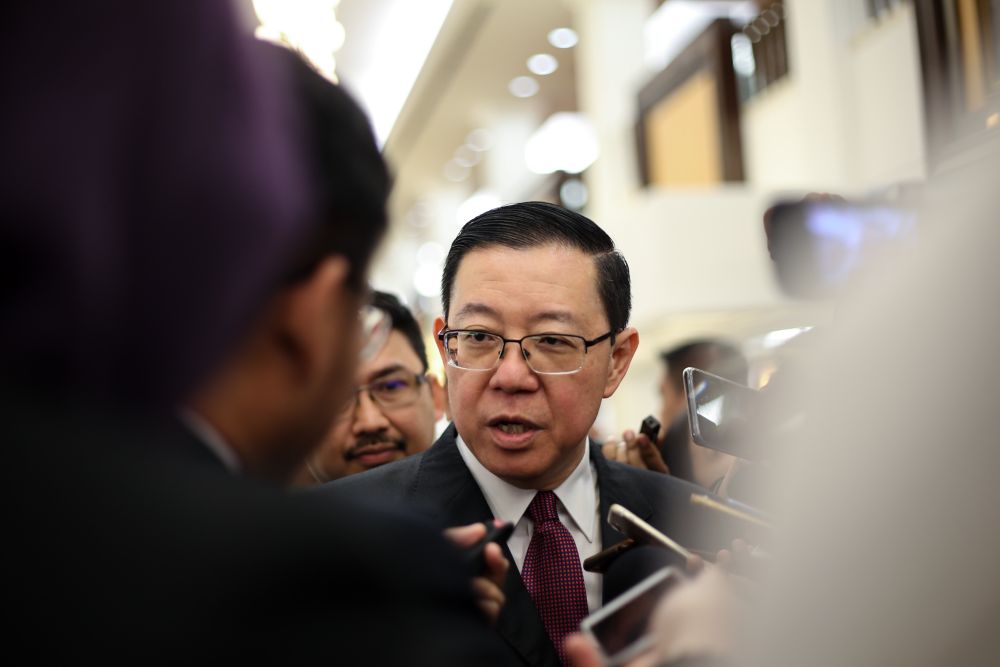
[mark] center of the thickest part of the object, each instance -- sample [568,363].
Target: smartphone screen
[621,628]
[721,412]
[819,247]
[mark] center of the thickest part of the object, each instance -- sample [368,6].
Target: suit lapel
[614,488]
[445,480]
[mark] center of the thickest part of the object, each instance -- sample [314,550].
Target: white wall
[888,121]
[848,117]
[846,120]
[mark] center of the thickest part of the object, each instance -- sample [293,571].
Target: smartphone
[639,530]
[494,533]
[650,427]
[721,413]
[819,246]
[600,561]
[620,629]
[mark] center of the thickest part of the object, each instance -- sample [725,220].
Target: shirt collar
[577,493]
[212,439]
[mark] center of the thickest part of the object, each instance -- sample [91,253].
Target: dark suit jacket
[438,485]
[129,543]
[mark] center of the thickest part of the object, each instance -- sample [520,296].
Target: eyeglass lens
[393,391]
[544,353]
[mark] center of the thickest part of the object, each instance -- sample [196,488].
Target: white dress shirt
[579,510]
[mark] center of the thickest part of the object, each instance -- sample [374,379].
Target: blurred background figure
[715,356]
[393,411]
[683,457]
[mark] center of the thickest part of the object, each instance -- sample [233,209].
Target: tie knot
[543,507]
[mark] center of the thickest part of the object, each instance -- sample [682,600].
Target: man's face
[370,434]
[674,400]
[515,293]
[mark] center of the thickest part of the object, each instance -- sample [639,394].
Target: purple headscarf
[150,193]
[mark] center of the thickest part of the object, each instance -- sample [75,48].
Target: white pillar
[609,75]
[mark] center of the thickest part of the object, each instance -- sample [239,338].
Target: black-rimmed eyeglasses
[545,353]
[396,390]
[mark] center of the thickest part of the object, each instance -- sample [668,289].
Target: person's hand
[697,617]
[744,561]
[635,450]
[487,588]
[582,652]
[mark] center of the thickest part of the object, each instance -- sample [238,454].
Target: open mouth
[512,431]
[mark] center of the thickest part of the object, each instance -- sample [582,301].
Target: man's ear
[438,325]
[626,343]
[440,397]
[313,314]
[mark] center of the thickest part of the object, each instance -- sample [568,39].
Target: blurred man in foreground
[395,406]
[133,538]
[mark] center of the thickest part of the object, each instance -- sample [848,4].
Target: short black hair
[532,224]
[351,179]
[715,356]
[403,322]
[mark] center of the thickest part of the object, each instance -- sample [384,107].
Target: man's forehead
[557,314]
[549,283]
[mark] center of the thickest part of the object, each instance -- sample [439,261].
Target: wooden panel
[709,55]
[683,134]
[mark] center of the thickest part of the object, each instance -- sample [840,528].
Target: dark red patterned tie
[552,572]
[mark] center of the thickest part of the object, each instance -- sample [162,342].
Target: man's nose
[512,372]
[368,415]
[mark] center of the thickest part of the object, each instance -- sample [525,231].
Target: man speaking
[534,335]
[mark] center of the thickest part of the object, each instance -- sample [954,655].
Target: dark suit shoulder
[390,480]
[673,512]
[655,483]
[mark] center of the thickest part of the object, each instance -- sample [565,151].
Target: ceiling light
[396,47]
[675,24]
[563,38]
[479,139]
[566,141]
[310,28]
[455,172]
[466,157]
[573,194]
[523,86]
[542,64]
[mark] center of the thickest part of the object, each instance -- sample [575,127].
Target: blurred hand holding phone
[724,415]
[622,629]
[639,450]
[498,533]
[642,532]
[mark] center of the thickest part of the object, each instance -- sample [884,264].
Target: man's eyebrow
[388,370]
[475,308]
[561,316]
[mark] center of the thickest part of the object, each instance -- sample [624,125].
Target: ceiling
[462,86]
